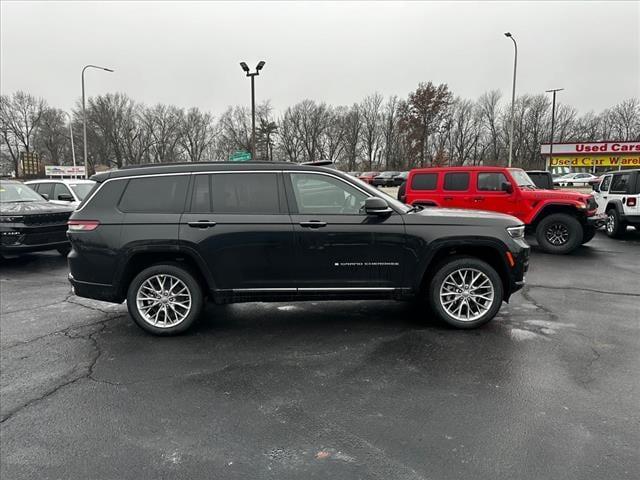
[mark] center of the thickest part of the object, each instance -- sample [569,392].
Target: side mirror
[45,196]
[507,187]
[65,197]
[376,206]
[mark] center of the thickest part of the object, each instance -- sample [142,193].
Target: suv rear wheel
[559,233]
[465,292]
[164,299]
[615,227]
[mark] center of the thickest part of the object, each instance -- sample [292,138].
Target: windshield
[17,192]
[81,189]
[379,193]
[521,178]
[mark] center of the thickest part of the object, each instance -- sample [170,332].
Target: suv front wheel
[465,292]
[164,299]
[559,233]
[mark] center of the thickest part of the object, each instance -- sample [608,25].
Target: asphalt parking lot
[550,389]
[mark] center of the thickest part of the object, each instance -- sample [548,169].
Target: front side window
[456,182]
[323,194]
[491,182]
[619,183]
[45,189]
[60,189]
[155,194]
[239,193]
[604,186]
[424,181]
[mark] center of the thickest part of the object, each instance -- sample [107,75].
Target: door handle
[448,198]
[202,224]
[313,224]
[478,199]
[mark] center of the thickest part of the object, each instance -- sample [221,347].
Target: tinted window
[60,189]
[249,193]
[322,194]
[491,182]
[46,189]
[164,194]
[456,181]
[424,181]
[619,183]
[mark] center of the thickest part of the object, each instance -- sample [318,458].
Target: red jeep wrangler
[561,220]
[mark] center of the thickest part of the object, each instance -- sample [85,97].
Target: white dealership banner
[63,171]
[615,148]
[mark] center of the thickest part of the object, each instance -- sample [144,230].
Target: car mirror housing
[507,187]
[65,197]
[376,206]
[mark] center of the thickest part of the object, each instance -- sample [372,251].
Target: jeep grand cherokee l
[165,237]
[28,223]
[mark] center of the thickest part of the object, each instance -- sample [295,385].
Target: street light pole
[84,118]
[73,150]
[513,95]
[553,119]
[253,103]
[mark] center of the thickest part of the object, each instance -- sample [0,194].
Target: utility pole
[84,118]
[513,95]
[553,119]
[253,103]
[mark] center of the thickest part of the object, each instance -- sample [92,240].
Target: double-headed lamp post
[84,117]
[253,103]
[553,119]
[73,150]
[513,95]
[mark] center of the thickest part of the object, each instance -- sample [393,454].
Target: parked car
[165,237]
[354,174]
[560,220]
[28,223]
[368,177]
[618,197]
[541,178]
[62,191]
[400,179]
[574,179]
[385,179]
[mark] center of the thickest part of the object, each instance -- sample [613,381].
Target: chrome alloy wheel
[467,294]
[163,301]
[557,234]
[611,223]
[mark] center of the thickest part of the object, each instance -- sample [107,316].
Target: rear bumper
[630,219]
[95,291]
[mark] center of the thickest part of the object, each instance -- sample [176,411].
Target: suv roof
[66,181]
[187,167]
[463,168]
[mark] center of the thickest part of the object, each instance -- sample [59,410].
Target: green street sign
[240,156]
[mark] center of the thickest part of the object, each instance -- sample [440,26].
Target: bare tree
[197,133]
[490,115]
[371,110]
[353,126]
[162,125]
[626,120]
[52,137]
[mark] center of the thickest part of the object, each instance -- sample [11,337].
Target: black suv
[165,237]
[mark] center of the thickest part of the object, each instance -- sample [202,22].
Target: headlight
[11,219]
[516,232]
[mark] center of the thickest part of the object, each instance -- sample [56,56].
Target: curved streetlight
[84,117]
[73,150]
[246,69]
[513,94]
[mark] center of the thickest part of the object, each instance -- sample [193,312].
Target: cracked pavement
[550,389]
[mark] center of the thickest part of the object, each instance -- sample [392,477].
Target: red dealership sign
[619,148]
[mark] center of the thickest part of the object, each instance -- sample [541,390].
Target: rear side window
[240,193]
[491,182]
[424,181]
[619,183]
[456,182]
[164,194]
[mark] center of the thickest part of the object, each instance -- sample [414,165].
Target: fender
[615,203]
[538,213]
[451,243]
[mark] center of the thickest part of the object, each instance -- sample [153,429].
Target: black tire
[588,232]
[614,227]
[559,233]
[447,268]
[172,270]
[64,251]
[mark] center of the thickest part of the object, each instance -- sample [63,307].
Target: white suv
[62,191]
[618,196]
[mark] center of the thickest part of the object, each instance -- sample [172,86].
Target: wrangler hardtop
[618,197]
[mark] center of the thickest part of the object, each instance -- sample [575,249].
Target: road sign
[63,171]
[240,156]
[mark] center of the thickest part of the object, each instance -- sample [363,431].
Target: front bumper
[597,221]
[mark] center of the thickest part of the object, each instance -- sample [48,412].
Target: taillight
[82,225]
[631,201]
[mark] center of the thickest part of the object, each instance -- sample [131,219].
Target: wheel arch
[553,208]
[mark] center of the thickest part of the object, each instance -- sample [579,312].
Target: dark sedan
[385,179]
[28,223]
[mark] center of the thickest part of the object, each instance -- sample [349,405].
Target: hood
[455,216]
[555,195]
[32,208]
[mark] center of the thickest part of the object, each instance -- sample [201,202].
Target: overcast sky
[187,54]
